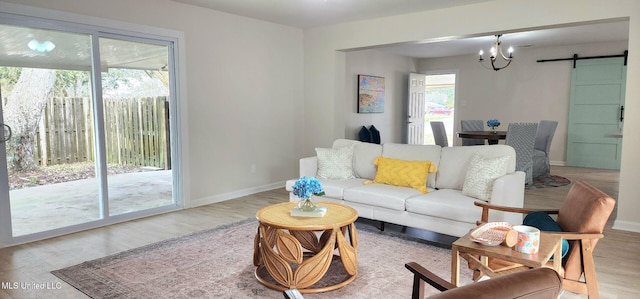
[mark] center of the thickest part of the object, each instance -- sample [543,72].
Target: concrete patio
[59,205]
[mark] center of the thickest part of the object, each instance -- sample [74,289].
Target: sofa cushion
[454,162]
[335,188]
[445,203]
[335,163]
[403,173]
[380,195]
[363,156]
[481,174]
[415,152]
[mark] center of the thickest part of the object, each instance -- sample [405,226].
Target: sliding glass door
[86,136]
[47,104]
[135,94]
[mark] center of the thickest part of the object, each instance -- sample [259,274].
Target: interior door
[415,109]
[596,113]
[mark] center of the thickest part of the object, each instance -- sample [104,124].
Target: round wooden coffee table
[297,252]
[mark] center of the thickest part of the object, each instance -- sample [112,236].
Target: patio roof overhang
[72,51]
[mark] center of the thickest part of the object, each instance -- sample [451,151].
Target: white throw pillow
[482,172]
[335,163]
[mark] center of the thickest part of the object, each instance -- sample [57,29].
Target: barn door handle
[8,135]
[622,113]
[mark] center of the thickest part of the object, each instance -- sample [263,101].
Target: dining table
[492,137]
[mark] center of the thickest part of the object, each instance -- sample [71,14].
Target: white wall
[247,103]
[243,94]
[526,91]
[323,95]
[395,70]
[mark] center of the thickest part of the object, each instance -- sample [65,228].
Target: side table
[477,255]
[298,251]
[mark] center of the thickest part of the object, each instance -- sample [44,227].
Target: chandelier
[496,52]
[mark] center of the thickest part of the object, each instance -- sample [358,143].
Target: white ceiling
[312,13]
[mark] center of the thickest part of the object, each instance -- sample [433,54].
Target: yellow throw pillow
[403,173]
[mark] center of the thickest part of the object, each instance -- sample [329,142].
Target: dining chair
[439,133]
[472,125]
[522,136]
[544,135]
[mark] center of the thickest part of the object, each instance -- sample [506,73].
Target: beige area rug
[217,263]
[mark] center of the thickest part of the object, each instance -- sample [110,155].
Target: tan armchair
[582,219]
[537,283]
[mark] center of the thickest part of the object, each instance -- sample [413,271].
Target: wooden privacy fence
[136,132]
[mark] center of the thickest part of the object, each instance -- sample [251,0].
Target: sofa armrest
[309,166]
[508,190]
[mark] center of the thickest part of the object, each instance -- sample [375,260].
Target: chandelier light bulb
[497,53]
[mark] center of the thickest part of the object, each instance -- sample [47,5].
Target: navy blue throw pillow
[365,135]
[375,134]
[544,222]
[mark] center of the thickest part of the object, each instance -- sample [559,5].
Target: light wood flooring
[617,255]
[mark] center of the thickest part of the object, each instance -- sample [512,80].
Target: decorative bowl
[491,234]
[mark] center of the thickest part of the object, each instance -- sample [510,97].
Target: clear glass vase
[307,204]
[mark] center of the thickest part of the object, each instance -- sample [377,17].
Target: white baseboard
[626,226]
[231,195]
[558,163]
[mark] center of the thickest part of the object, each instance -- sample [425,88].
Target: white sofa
[444,209]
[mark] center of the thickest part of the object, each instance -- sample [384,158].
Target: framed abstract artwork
[370,94]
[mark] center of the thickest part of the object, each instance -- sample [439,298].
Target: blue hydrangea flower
[493,123]
[307,186]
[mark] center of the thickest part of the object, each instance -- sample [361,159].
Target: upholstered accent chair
[522,136]
[540,283]
[472,125]
[582,219]
[544,135]
[439,133]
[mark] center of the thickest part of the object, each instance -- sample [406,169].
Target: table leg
[557,257]
[275,265]
[455,265]
[485,262]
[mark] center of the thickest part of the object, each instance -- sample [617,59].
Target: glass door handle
[7,136]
